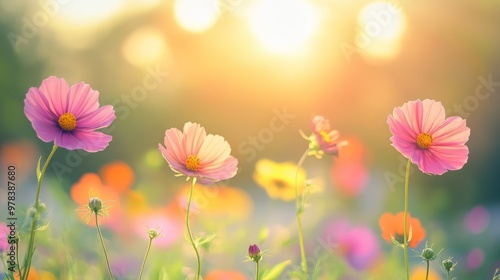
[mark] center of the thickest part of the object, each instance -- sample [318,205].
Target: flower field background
[273,81]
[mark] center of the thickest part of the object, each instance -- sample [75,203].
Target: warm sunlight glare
[381,26]
[144,46]
[89,12]
[283,26]
[196,15]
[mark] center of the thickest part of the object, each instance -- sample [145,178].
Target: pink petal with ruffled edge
[56,91]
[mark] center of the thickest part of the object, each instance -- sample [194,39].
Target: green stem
[299,205]
[256,270]
[31,244]
[103,247]
[427,271]
[448,275]
[145,257]
[405,245]
[17,254]
[189,230]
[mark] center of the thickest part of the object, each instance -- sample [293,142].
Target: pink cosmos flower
[323,140]
[193,153]
[421,133]
[68,116]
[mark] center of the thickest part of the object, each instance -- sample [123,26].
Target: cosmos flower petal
[56,92]
[68,140]
[214,150]
[453,131]
[37,107]
[46,132]
[455,157]
[194,135]
[222,171]
[93,141]
[97,119]
[173,151]
[433,115]
[83,99]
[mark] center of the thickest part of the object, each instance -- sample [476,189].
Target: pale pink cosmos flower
[421,133]
[323,140]
[195,154]
[68,116]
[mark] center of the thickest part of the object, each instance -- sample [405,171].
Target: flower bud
[41,207]
[254,253]
[428,254]
[448,264]
[32,213]
[95,204]
[153,233]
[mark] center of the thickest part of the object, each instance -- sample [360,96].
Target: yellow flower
[278,179]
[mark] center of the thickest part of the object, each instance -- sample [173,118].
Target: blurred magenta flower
[357,244]
[475,258]
[4,231]
[421,133]
[477,220]
[193,153]
[68,116]
[323,140]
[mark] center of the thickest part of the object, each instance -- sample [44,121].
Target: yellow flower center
[67,122]
[280,184]
[193,163]
[424,140]
[325,136]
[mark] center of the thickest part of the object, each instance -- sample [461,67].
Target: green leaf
[42,228]
[204,240]
[38,171]
[316,270]
[274,272]
[410,235]
[395,242]
[163,274]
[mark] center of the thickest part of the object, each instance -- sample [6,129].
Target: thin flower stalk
[299,204]
[188,227]
[152,235]
[405,240]
[31,244]
[102,243]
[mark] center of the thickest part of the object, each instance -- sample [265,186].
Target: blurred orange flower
[37,275]
[90,185]
[118,175]
[225,275]
[21,154]
[278,179]
[392,225]
[419,274]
